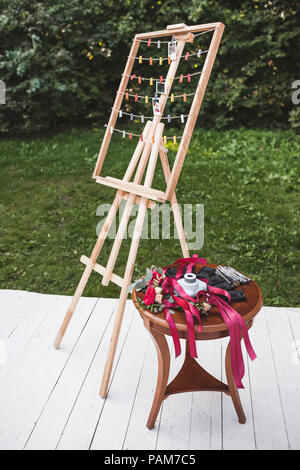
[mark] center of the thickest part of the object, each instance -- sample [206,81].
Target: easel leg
[123,297]
[88,269]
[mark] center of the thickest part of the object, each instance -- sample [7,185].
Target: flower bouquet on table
[178,287]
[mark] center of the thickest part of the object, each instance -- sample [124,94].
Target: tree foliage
[62,61]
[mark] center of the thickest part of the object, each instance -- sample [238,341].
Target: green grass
[247,180]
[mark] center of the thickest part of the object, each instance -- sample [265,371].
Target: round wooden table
[192,377]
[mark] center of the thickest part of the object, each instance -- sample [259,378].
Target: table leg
[163,355]
[232,387]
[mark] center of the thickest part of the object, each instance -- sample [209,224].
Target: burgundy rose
[149,296]
[156,276]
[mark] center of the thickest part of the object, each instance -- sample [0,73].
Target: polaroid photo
[156,107]
[161,87]
[172,50]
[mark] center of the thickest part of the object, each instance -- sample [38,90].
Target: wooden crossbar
[132,188]
[101,270]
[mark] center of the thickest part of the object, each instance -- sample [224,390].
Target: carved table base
[191,378]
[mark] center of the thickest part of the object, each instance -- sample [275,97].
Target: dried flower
[206,307]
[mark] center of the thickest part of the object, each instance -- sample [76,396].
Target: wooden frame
[182,34]
[145,155]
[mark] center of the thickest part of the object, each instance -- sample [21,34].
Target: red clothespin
[130,135]
[126,95]
[160,79]
[169,60]
[149,42]
[141,137]
[133,76]
[189,77]
[187,55]
[150,61]
[135,97]
[181,78]
[140,79]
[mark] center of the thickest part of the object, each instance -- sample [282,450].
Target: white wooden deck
[49,399]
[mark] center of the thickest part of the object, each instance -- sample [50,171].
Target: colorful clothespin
[199,53]
[172,97]
[130,136]
[169,60]
[142,118]
[120,113]
[155,95]
[141,137]
[181,78]
[187,56]
[135,97]
[151,81]
[153,141]
[126,95]
[133,76]
[191,38]
[182,118]
[150,61]
[160,79]
[140,59]
[174,139]
[170,82]
[124,134]
[146,99]
[149,42]
[184,96]
[189,77]
[160,61]
[169,118]
[131,116]
[158,44]
[165,140]
[139,79]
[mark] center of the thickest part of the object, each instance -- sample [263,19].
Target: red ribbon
[235,323]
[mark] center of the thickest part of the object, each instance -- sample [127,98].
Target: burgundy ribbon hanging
[235,323]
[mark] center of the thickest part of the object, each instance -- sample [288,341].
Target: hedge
[61,61]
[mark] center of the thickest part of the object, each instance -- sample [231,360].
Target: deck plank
[206,412]
[53,416]
[175,417]
[284,350]
[269,424]
[29,385]
[237,436]
[111,429]
[49,399]
[86,412]
[31,309]
[137,435]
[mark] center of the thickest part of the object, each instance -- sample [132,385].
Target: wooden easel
[142,194]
